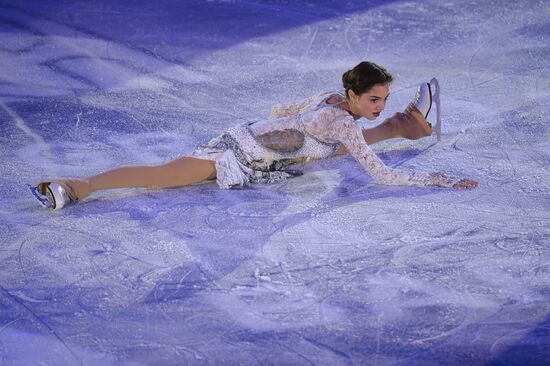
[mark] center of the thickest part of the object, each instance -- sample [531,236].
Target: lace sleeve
[285,110]
[345,130]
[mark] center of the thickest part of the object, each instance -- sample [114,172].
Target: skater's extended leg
[410,124]
[180,172]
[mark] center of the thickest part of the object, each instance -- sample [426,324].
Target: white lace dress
[265,151]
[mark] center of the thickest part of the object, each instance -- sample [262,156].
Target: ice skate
[426,95]
[51,195]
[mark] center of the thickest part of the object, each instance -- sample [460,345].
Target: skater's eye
[375,100]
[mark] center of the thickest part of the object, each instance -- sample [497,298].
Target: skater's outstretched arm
[345,130]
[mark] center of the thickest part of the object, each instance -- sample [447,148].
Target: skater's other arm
[289,109]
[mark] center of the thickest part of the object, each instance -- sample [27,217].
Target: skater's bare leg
[179,172]
[410,124]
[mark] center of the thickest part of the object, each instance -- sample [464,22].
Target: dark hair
[364,76]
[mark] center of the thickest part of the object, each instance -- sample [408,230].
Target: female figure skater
[265,151]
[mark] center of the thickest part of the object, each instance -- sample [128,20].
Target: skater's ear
[352,95]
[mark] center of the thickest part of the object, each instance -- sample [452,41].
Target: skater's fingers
[466,184]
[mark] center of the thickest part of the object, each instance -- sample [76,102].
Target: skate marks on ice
[390,277]
[93,80]
[371,280]
[95,275]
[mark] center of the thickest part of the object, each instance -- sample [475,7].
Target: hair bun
[347,79]
[364,76]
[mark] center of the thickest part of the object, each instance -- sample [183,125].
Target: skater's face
[371,103]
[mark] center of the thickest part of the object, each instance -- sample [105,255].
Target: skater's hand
[441,180]
[465,184]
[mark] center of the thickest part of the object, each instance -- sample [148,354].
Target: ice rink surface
[324,269]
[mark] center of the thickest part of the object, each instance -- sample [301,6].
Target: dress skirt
[241,160]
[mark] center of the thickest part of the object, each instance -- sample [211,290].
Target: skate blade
[44,202]
[437,98]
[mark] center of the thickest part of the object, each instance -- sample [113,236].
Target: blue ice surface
[327,268]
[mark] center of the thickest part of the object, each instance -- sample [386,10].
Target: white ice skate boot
[51,195]
[426,94]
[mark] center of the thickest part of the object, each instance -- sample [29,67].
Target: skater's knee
[213,174]
[399,117]
[396,122]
